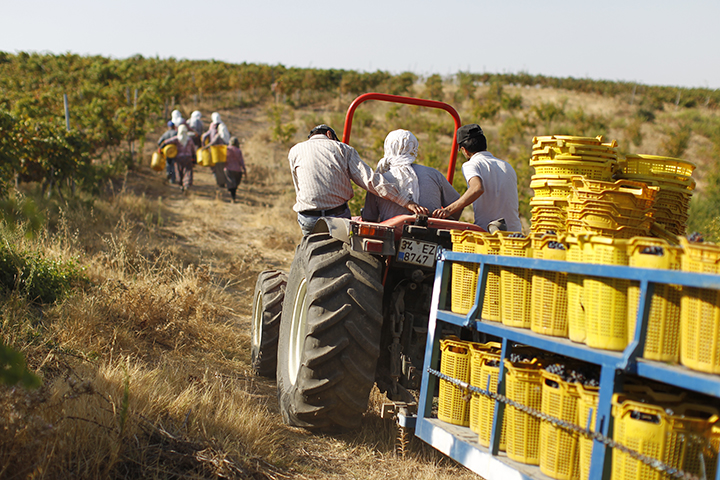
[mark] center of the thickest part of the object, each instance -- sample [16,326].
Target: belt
[324,213]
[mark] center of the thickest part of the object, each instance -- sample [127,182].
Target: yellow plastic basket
[587,415]
[625,194]
[465,275]
[575,210]
[523,384]
[563,140]
[662,341]
[601,170]
[548,315]
[489,371]
[218,153]
[700,310]
[578,227]
[559,452]
[491,304]
[170,151]
[550,188]
[653,165]
[477,351]
[576,308]
[515,283]
[454,362]
[682,439]
[204,157]
[157,162]
[580,151]
[605,299]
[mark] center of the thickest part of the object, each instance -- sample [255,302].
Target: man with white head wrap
[426,186]
[185,156]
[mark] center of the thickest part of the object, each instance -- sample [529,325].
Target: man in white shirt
[322,171]
[492,183]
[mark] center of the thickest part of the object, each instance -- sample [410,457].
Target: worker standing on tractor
[322,169]
[185,158]
[234,167]
[492,183]
[426,186]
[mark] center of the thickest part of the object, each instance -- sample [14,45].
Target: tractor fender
[338,228]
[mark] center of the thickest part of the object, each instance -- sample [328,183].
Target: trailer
[461,444]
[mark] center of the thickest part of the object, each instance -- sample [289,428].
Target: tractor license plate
[417,252]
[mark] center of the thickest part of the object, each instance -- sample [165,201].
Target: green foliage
[35,276]
[548,113]
[466,87]
[13,370]
[281,132]
[21,212]
[676,140]
[584,124]
[434,87]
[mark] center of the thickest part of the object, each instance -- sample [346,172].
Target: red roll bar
[409,101]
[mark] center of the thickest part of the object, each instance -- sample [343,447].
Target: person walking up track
[234,167]
[185,158]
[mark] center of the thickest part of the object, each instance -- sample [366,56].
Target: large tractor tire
[267,307]
[329,334]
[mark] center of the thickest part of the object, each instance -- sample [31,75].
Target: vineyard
[129,303]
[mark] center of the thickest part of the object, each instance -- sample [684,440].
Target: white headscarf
[401,148]
[182,135]
[224,133]
[216,118]
[177,117]
[196,115]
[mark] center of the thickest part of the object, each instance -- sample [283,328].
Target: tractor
[353,310]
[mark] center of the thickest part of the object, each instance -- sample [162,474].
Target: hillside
[144,357]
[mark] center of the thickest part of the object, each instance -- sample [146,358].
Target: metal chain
[586,432]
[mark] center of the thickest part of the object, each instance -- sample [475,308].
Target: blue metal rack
[460,443]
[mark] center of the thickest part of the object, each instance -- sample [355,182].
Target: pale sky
[651,42]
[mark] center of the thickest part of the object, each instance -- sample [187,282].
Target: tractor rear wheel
[267,307]
[329,334]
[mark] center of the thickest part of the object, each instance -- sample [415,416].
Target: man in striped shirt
[322,170]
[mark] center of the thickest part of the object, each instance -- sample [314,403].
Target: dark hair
[475,144]
[322,129]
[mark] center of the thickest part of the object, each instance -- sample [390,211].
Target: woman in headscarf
[221,136]
[212,132]
[185,158]
[234,167]
[427,187]
[177,118]
[196,125]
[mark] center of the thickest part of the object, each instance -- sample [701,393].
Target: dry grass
[146,370]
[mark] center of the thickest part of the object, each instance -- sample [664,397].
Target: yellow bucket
[170,151]
[157,162]
[204,157]
[218,153]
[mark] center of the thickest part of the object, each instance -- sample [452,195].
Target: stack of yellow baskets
[556,159]
[621,209]
[672,176]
